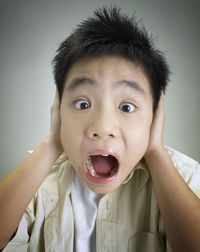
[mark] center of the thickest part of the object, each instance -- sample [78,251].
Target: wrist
[155,151]
[53,144]
[155,156]
[158,160]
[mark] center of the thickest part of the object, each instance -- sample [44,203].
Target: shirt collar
[142,166]
[144,173]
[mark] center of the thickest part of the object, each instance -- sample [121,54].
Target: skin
[106,124]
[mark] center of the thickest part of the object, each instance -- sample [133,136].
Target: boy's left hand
[157,129]
[178,205]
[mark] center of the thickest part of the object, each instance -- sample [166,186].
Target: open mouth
[102,168]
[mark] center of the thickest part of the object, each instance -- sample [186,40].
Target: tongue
[102,165]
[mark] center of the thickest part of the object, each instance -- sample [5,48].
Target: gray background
[30,32]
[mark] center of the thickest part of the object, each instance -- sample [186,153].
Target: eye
[82,104]
[127,107]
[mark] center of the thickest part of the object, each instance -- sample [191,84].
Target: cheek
[72,134]
[138,136]
[68,134]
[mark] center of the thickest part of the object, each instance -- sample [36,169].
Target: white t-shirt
[85,204]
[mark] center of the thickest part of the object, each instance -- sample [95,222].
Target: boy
[102,179]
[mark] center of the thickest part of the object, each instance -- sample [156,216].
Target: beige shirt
[128,219]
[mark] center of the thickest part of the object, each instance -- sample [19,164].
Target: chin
[103,188]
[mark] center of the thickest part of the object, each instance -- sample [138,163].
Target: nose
[103,125]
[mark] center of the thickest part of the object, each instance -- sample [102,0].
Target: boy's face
[106,109]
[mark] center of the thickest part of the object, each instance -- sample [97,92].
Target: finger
[56,95]
[160,106]
[56,99]
[161,101]
[159,114]
[161,111]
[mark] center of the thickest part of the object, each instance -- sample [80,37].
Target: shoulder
[55,187]
[179,158]
[56,184]
[60,168]
[187,167]
[60,175]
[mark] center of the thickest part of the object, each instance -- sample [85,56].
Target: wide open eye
[127,107]
[82,104]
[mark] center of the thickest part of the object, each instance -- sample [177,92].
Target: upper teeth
[90,166]
[105,155]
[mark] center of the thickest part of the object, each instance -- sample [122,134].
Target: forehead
[107,70]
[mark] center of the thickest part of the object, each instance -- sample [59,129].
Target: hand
[54,133]
[157,128]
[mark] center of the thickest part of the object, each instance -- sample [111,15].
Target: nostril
[111,135]
[95,135]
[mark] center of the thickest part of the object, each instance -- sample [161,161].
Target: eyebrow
[132,84]
[81,81]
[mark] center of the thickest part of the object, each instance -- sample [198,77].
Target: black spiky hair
[110,33]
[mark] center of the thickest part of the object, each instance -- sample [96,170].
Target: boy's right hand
[27,177]
[54,132]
